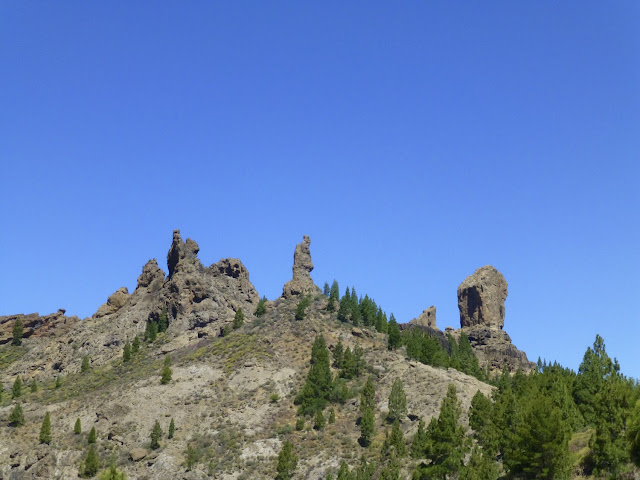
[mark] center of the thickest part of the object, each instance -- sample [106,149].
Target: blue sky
[414,142]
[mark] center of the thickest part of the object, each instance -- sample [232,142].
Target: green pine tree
[480,411]
[326,289]
[396,439]
[301,308]
[419,442]
[136,345]
[91,463]
[319,421]
[77,428]
[287,461]
[397,401]
[86,364]
[16,389]
[394,336]
[45,429]
[163,321]
[480,467]
[367,409]
[16,417]
[166,371]
[446,444]
[151,332]
[172,429]
[156,434]
[238,320]
[34,386]
[334,297]
[93,436]
[261,309]
[338,353]
[126,353]
[112,473]
[318,387]
[17,333]
[332,415]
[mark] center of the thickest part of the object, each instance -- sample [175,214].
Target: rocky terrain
[231,393]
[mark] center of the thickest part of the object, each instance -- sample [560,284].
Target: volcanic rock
[151,274]
[426,318]
[481,298]
[34,325]
[301,283]
[114,303]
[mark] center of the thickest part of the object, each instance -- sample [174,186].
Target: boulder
[151,274]
[427,318]
[481,298]
[301,283]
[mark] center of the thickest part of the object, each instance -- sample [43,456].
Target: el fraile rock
[301,283]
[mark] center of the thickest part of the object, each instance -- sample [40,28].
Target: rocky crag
[231,396]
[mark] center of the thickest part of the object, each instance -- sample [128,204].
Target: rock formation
[481,298]
[426,318]
[115,302]
[301,283]
[34,325]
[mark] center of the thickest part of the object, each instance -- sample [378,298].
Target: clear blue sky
[413,141]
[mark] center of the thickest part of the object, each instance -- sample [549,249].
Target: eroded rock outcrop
[301,283]
[427,318]
[481,298]
[115,302]
[35,325]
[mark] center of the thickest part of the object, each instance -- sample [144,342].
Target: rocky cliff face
[34,325]
[481,299]
[301,283]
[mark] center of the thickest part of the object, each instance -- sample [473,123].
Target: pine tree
[334,297]
[93,436]
[136,345]
[397,401]
[332,415]
[367,409]
[238,320]
[151,332]
[343,472]
[77,428]
[539,449]
[396,439]
[112,473]
[344,309]
[326,291]
[172,429]
[480,411]
[86,365]
[348,369]
[446,445]
[261,309]
[302,306]
[318,386]
[480,467]
[16,417]
[287,461]
[166,371]
[338,353]
[91,463]
[17,333]
[163,321]
[395,339]
[419,442]
[156,434]
[34,386]
[126,353]
[319,421]
[45,430]
[16,389]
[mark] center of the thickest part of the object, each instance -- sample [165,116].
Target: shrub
[86,365]
[302,306]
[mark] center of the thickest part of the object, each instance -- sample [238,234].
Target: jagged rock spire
[180,250]
[301,283]
[426,318]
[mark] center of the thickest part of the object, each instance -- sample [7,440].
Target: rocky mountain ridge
[223,383]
